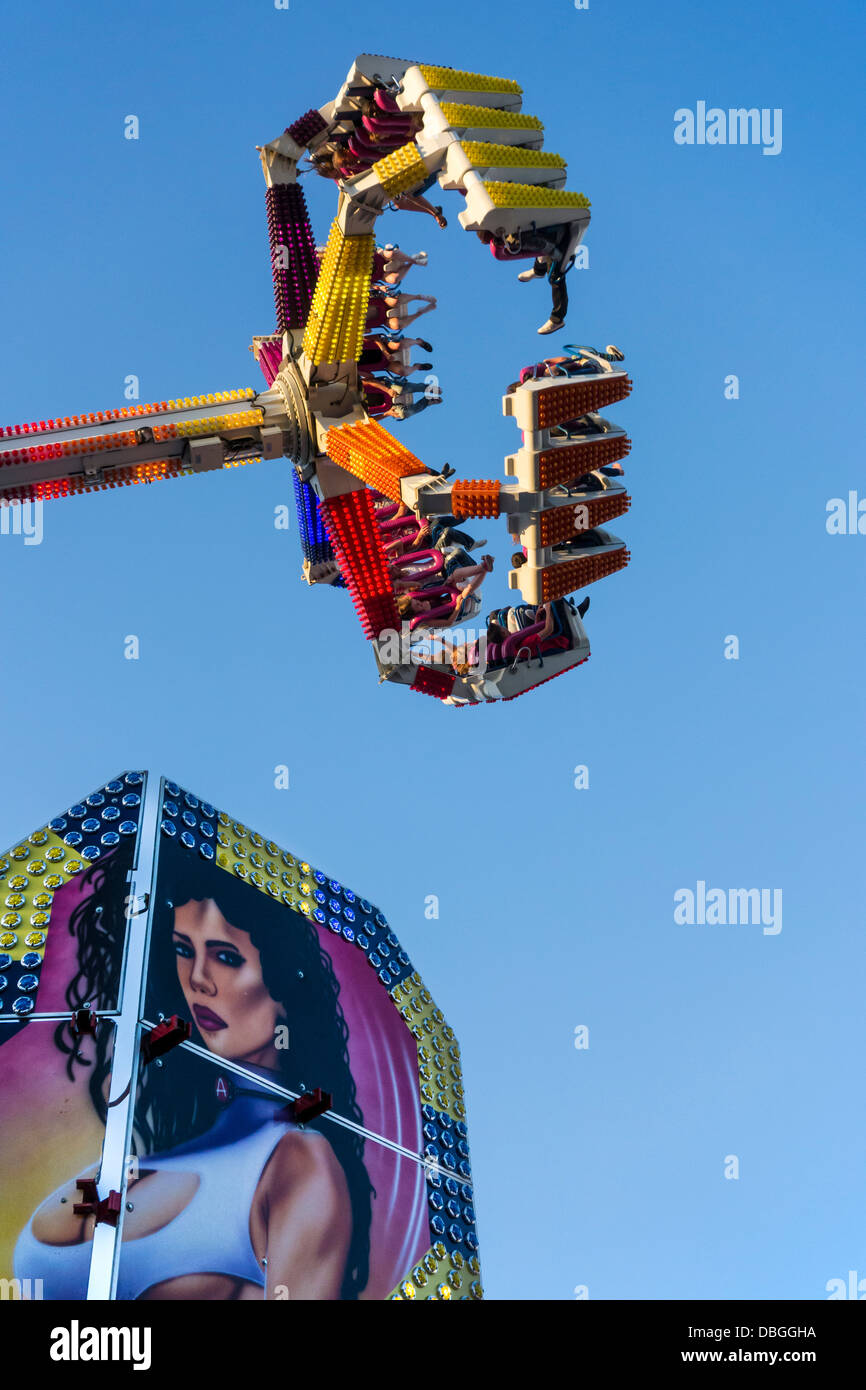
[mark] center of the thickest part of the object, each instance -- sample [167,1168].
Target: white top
[211,1235]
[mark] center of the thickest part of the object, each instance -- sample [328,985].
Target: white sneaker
[420,258]
[552,326]
[528,275]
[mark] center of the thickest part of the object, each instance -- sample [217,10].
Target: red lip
[207,1019]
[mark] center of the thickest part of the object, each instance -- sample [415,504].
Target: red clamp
[164,1037]
[83,1023]
[106,1209]
[308,1106]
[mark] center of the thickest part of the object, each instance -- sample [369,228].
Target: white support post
[125,1060]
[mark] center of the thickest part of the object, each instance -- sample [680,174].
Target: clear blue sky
[601,1167]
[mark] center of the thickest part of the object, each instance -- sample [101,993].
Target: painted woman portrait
[226,1200]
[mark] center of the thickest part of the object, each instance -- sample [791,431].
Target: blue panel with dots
[198,826]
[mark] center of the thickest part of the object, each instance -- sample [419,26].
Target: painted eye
[182,949]
[230,958]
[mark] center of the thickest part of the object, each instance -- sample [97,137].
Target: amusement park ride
[365,502]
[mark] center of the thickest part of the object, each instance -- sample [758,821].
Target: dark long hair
[298,975]
[98,923]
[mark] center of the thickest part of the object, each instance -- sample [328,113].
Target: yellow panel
[529,195]
[456,114]
[246,393]
[30,874]
[483,152]
[439,1275]
[454,80]
[441,1089]
[402,169]
[263,864]
[335,326]
[208,424]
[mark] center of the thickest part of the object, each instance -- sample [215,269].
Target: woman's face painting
[220,973]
